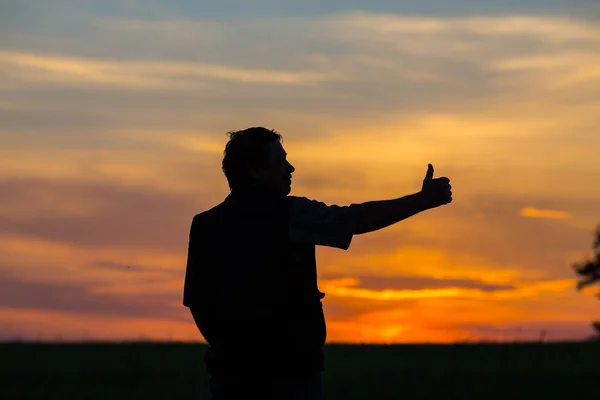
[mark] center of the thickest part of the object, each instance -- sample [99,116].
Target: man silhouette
[251,281]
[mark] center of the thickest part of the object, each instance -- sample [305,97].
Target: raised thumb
[429,174]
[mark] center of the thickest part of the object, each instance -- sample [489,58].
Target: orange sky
[113,128]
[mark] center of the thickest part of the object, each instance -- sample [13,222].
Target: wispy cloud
[548,28]
[347,288]
[148,302]
[412,282]
[47,68]
[111,217]
[547,214]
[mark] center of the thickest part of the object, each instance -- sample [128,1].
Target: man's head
[255,159]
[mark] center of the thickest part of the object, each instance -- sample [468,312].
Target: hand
[436,192]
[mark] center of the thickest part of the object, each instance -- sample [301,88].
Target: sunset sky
[113,121]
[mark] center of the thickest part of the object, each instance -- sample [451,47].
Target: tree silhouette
[589,270]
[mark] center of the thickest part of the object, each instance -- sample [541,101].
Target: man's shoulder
[207,215]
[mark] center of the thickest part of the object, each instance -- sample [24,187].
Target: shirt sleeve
[325,225]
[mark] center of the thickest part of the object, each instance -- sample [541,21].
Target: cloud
[78,299]
[185,31]
[101,215]
[548,28]
[56,326]
[480,238]
[349,288]
[149,75]
[344,308]
[535,306]
[335,73]
[548,214]
[411,282]
[116,266]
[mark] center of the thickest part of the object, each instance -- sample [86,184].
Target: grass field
[176,371]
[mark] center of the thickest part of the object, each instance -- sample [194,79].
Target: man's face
[277,175]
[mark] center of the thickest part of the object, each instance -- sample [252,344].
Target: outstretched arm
[315,222]
[374,215]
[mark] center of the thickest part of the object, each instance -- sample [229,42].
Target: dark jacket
[251,280]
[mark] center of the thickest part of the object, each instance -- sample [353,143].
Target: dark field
[176,371]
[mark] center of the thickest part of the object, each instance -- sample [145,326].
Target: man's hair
[246,149]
